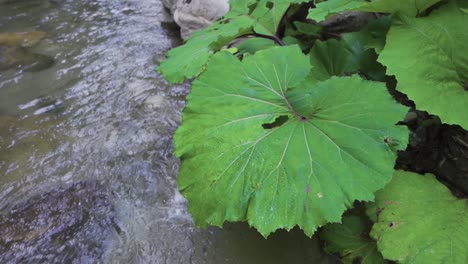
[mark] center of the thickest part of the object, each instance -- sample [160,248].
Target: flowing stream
[87,173]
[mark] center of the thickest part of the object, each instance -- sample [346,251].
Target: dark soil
[433,147]
[439,149]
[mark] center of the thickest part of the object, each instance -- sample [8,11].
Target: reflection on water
[86,163]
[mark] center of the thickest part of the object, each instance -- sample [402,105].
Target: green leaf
[189,60]
[331,58]
[331,7]
[253,45]
[338,58]
[308,29]
[420,221]
[270,13]
[429,59]
[255,146]
[302,34]
[239,7]
[363,58]
[373,35]
[351,240]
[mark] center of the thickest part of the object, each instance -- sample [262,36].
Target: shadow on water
[238,243]
[87,171]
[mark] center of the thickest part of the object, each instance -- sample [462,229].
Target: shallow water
[101,117]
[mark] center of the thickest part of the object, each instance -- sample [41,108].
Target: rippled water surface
[87,173]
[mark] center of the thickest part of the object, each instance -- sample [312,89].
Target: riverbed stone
[154,101]
[15,52]
[23,39]
[22,58]
[47,228]
[170,4]
[192,15]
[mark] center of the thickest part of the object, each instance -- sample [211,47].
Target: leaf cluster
[289,124]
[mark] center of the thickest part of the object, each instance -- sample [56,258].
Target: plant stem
[258,35]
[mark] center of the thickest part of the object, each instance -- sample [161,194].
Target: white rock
[169,4]
[192,15]
[155,101]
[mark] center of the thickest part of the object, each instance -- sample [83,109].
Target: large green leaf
[420,221]
[351,240]
[331,7]
[245,17]
[256,146]
[429,58]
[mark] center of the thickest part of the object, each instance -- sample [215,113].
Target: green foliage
[324,9]
[348,56]
[351,240]
[269,17]
[292,136]
[245,17]
[407,7]
[418,220]
[429,59]
[302,34]
[373,35]
[188,60]
[332,58]
[255,146]
[252,45]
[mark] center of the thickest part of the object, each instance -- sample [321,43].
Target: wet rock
[155,101]
[13,1]
[192,15]
[170,4]
[22,58]
[14,52]
[23,39]
[58,226]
